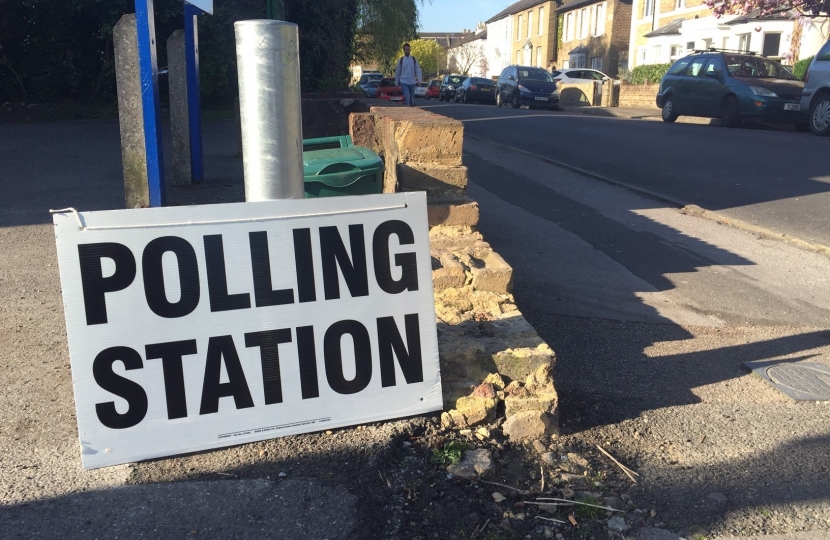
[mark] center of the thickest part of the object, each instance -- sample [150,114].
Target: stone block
[495,275]
[362,128]
[130,113]
[460,213]
[429,140]
[526,426]
[436,180]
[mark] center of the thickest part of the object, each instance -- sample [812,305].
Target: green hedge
[800,68]
[650,74]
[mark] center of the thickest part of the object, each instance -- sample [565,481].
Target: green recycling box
[338,167]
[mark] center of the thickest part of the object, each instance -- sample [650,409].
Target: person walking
[408,75]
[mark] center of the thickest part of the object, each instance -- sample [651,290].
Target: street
[777,180]
[652,310]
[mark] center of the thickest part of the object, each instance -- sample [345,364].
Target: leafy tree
[382,28]
[763,8]
[427,52]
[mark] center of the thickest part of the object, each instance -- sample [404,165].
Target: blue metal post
[194,102]
[148,71]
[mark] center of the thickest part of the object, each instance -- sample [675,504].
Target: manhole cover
[802,382]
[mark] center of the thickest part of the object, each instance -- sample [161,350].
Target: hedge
[649,74]
[800,68]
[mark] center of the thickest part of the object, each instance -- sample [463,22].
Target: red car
[388,91]
[433,90]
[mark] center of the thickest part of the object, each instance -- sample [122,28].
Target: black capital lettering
[304,263]
[121,387]
[222,348]
[261,266]
[389,340]
[220,300]
[334,357]
[308,362]
[154,277]
[171,361]
[333,254]
[268,343]
[95,285]
[405,261]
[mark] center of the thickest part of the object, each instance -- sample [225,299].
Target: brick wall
[639,95]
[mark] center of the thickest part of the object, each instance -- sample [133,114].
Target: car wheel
[455,98]
[730,112]
[499,102]
[515,101]
[669,111]
[820,116]
[467,99]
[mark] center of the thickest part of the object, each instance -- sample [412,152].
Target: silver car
[815,100]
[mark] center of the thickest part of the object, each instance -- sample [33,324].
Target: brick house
[534,33]
[595,34]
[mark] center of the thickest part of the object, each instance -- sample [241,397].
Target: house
[499,45]
[595,34]
[445,40]
[663,31]
[534,33]
[468,55]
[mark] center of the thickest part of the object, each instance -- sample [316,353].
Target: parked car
[421,89]
[815,100]
[433,90]
[449,85]
[371,89]
[731,86]
[389,91]
[579,75]
[366,77]
[476,89]
[525,85]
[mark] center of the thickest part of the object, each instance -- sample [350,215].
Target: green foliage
[450,454]
[800,68]
[650,74]
[587,512]
[426,52]
[382,28]
[560,29]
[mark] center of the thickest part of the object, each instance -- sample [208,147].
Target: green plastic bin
[340,168]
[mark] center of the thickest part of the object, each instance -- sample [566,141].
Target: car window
[680,66]
[555,73]
[433,84]
[455,80]
[824,54]
[595,75]
[695,67]
[755,67]
[387,82]
[713,66]
[479,80]
[534,74]
[373,84]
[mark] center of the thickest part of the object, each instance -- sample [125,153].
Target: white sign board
[204,5]
[200,327]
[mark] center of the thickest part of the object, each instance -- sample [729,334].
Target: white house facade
[498,46]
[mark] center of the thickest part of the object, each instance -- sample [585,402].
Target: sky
[457,15]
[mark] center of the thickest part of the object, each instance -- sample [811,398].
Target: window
[599,19]
[583,23]
[679,4]
[772,45]
[714,66]
[675,51]
[696,67]
[596,63]
[641,54]
[657,50]
[541,20]
[529,22]
[648,8]
[577,60]
[538,56]
[519,29]
[690,45]
[743,42]
[567,32]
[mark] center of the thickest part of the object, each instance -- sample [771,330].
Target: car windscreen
[387,82]
[761,68]
[456,80]
[373,84]
[534,74]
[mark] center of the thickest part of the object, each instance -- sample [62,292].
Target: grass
[587,512]
[450,454]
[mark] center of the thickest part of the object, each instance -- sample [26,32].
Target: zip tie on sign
[219,222]
[70,209]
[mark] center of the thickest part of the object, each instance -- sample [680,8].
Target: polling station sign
[199,327]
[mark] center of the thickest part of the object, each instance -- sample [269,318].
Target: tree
[382,28]
[465,56]
[428,53]
[764,8]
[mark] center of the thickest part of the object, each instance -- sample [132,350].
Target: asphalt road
[772,179]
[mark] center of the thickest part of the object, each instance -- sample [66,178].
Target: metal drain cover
[802,382]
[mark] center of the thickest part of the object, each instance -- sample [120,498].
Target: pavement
[650,309]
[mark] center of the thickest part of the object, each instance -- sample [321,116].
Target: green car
[731,87]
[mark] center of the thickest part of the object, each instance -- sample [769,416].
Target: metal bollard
[268,61]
